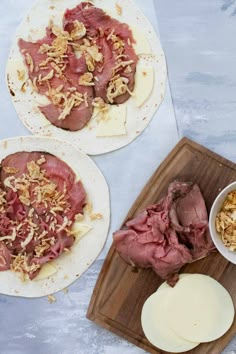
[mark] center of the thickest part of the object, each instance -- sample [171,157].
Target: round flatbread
[68,266]
[129,119]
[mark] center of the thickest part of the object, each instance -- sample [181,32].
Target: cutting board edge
[92,308]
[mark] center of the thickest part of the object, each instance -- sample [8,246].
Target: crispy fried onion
[226,221]
[117,86]
[65,100]
[60,44]
[100,104]
[86,79]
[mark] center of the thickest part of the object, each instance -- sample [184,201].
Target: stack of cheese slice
[197,309]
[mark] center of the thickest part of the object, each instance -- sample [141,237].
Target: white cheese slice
[199,308]
[36,33]
[112,122]
[80,230]
[96,112]
[46,271]
[165,285]
[142,45]
[155,327]
[16,67]
[144,79]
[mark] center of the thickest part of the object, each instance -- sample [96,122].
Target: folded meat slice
[55,169]
[63,241]
[114,40]
[77,196]
[165,257]
[5,257]
[59,82]
[189,217]
[169,234]
[39,198]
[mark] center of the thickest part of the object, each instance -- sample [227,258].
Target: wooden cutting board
[120,293]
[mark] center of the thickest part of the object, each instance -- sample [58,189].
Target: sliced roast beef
[100,27]
[55,169]
[5,257]
[63,241]
[79,116]
[77,196]
[38,204]
[169,234]
[71,122]
[57,62]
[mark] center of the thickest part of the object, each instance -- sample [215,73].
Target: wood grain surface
[120,292]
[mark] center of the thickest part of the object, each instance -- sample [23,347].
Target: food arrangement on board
[87,78]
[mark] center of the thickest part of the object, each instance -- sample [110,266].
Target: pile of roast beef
[169,234]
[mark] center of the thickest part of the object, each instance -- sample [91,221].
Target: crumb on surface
[118,9]
[96,216]
[88,208]
[51,299]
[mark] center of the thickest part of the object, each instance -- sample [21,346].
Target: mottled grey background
[198,37]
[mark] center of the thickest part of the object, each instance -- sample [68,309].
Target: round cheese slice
[155,327]
[165,285]
[199,308]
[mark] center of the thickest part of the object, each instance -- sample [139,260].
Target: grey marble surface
[198,39]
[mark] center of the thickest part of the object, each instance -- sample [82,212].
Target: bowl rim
[223,250]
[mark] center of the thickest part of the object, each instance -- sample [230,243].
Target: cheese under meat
[79,230]
[112,122]
[144,80]
[46,271]
[142,45]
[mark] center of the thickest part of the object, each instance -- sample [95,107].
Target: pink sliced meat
[71,122]
[63,241]
[169,234]
[15,213]
[77,196]
[99,27]
[79,116]
[55,169]
[191,208]
[96,21]
[5,257]
[15,209]
[18,161]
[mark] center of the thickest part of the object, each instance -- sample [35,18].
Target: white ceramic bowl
[230,255]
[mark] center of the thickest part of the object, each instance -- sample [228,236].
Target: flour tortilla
[70,266]
[26,103]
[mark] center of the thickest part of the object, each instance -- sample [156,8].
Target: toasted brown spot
[11,91]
